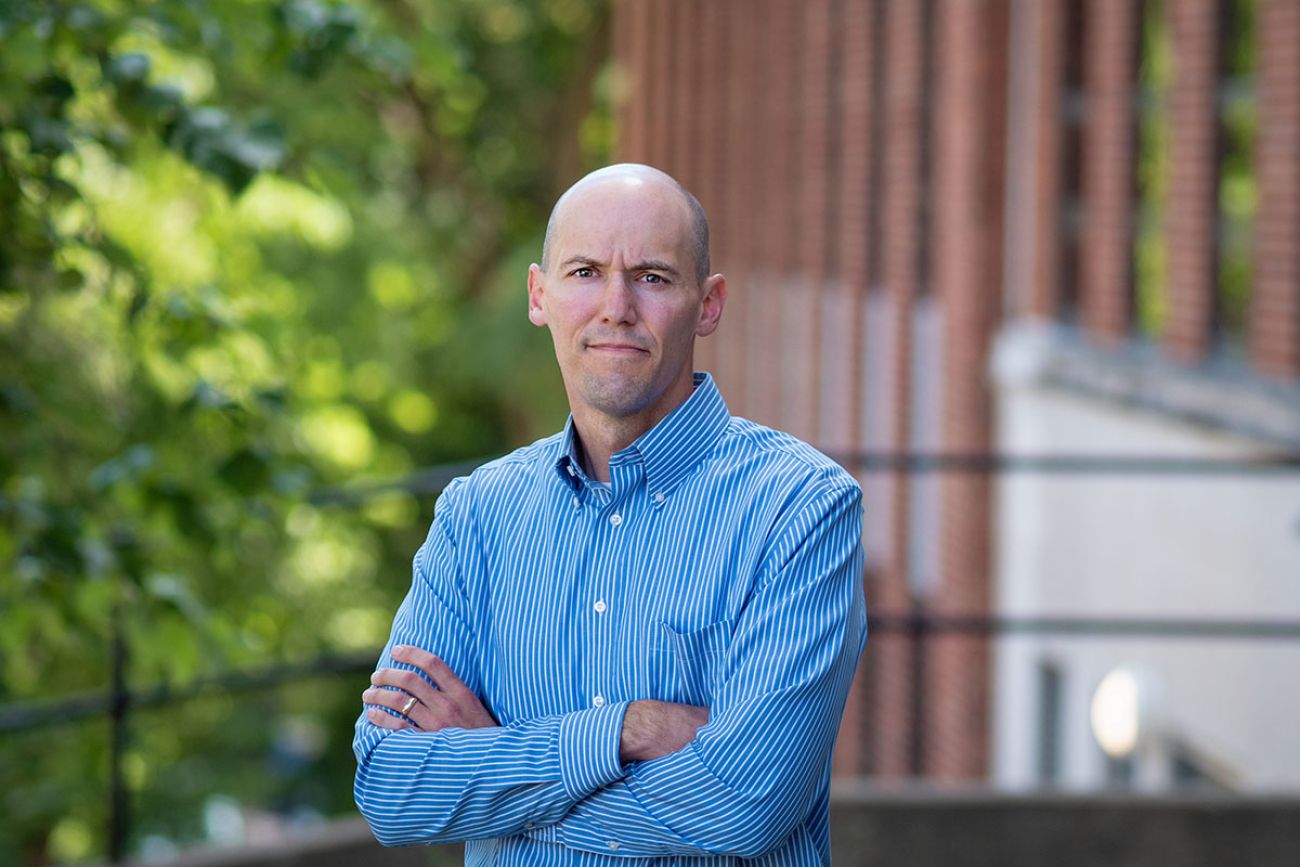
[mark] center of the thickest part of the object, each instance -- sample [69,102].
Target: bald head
[634,175]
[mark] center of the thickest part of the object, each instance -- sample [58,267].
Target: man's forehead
[639,194]
[624,218]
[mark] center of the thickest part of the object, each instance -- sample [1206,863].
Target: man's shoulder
[508,474]
[768,452]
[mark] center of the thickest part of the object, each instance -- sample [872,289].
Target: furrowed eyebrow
[581,260]
[648,265]
[655,265]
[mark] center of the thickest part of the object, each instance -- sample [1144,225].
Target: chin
[617,399]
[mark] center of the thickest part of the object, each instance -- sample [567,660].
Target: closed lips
[615,347]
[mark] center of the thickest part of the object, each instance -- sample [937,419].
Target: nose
[618,302]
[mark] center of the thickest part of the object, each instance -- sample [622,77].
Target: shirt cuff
[589,742]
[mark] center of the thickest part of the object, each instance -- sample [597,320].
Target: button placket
[603,673]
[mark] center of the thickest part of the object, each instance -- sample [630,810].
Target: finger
[432,665]
[386,720]
[432,715]
[404,679]
[392,699]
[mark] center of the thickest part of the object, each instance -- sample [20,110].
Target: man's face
[621,298]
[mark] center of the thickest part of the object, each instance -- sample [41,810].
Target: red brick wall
[1192,212]
[849,229]
[970,164]
[1108,170]
[769,111]
[1048,23]
[1275,308]
[900,262]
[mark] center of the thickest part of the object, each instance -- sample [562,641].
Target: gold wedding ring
[406,708]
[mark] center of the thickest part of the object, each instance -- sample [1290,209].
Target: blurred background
[1029,268]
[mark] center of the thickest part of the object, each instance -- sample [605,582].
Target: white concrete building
[1163,546]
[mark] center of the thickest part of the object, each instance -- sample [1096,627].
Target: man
[634,638]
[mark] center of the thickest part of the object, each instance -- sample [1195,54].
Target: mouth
[616,348]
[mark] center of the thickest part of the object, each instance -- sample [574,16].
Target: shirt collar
[671,449]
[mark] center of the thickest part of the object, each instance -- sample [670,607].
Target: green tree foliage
[250,250]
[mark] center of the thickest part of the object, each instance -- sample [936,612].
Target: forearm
[740,789]
[459,784]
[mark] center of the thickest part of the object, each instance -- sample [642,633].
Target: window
[1049,723]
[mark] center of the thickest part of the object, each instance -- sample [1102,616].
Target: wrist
[652,729]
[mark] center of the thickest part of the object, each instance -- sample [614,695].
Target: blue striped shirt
[722,567]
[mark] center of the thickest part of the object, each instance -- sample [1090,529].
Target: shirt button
[616,519]
[600,606]
[568,467]
[659,497]
[613,844]
[576,502]
[598,701]
[530,826]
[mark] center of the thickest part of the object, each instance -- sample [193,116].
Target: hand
[656,728]
[451,704]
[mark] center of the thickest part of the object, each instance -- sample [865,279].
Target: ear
[715,296]
[536,281]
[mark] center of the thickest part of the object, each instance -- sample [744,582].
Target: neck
[598,442]
[601,435]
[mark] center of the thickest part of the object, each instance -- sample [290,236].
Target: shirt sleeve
[463,784]
[753,772]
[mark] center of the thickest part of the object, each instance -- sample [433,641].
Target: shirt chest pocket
[686,666]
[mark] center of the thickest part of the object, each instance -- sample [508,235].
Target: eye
[584,273]
[654,278]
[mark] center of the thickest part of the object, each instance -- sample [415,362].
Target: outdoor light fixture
[1123,711]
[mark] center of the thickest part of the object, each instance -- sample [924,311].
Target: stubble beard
[617,395]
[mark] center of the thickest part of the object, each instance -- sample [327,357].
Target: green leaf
[173,590]
[71,280]
[247,471]
[129,465]
[54,90]
[127,69]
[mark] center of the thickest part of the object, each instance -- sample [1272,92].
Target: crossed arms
[651,729]
[638,778]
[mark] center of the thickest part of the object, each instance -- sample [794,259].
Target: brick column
[620,20]
[1192,216]
[900,242]
[1108,173]
[739,151]
[1047,71]
[969,189]
[1275,300]
[802,299]
[850,222]
[774,120]
[685,118]
[712,177]
[659,94]
[856,109]
[631,19]
[689,87]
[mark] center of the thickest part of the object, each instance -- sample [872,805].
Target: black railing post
[119,706]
